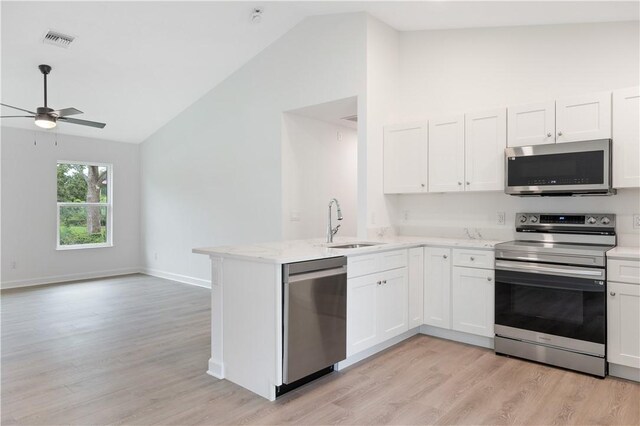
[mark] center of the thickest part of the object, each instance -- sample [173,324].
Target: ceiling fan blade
[19,109]
[66,111]
[83,122]
[17,116]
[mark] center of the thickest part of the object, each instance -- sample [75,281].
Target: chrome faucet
[333,231]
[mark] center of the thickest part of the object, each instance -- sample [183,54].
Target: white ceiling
[136,65]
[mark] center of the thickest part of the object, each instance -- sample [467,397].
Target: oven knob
[591,220]
[533,219]
[523,219]
[605,220]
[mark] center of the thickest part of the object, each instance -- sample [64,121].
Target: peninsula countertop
[317,248]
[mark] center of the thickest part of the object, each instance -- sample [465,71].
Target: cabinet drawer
[362,265]
[393,259]
[365,264]
[624,271]
[473,258]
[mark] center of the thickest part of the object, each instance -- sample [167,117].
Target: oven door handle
[549,270]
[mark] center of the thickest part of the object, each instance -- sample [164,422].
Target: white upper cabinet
[583,118]
[405,158]
[532,124]
[626,138]
[446,154]
[485,141]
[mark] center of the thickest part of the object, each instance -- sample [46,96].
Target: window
[84,205]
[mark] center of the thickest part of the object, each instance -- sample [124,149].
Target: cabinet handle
[459,183]
[613,293]
[489,278]
[472,258]
[384,281]
[422,185]
[444,256]
[549,134]
[559,133]
[468,183]
[379,282]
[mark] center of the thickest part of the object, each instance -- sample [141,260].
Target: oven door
[556,305]
[577,167]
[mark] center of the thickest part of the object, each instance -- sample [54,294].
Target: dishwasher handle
[316,274]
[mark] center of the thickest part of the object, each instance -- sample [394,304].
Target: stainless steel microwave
[574,168]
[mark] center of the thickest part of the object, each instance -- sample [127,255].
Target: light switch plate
[636,221]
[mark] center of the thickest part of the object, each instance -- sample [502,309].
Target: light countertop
[317,248]
[624,253]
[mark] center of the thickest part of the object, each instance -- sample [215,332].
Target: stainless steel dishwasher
[314,318]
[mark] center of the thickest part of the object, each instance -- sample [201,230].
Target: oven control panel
[591,220]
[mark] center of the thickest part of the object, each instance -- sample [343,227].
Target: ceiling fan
[46,117]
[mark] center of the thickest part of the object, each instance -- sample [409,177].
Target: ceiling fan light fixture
[45,121]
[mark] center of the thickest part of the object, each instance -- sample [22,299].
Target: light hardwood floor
[134,350]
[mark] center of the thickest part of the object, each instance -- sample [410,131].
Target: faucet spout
[331,231]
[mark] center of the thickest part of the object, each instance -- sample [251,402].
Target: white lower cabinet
[472,293]
[377,308]
[416,287]
[623,324]
[623,314]
[458,297]
[362,313]
[437,286]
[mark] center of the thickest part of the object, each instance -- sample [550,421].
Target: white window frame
[108,205]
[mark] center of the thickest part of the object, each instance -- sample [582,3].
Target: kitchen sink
[353,245]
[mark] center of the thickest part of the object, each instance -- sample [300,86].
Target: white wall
[458,71]
[212,176]
[29,198]
[316,167]
[383,85]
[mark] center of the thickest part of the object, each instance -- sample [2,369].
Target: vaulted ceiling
[136,65]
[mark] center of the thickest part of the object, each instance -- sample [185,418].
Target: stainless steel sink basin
[354,245]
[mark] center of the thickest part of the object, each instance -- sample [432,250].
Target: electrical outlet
[373,218]
[636,221]
[405,215]
[294,216]
[501,218]
[14,264]
[155,256]
[339,136]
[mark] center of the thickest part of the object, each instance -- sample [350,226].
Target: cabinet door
[623,324]
[485,141]
[626,138]
[362,313]
[437,287]
[473,301]
[405,158]
[416,286]
[583,118]
[446,154]
[393,295]
[531,124]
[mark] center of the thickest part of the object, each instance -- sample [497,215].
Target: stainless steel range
[550,292]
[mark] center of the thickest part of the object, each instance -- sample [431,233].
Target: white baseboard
[457,336]
[176,277]
[216,369]
[68,277]
[375,349]
[624,372]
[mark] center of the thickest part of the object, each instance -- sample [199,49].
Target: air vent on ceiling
[58,39]
[353,118]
